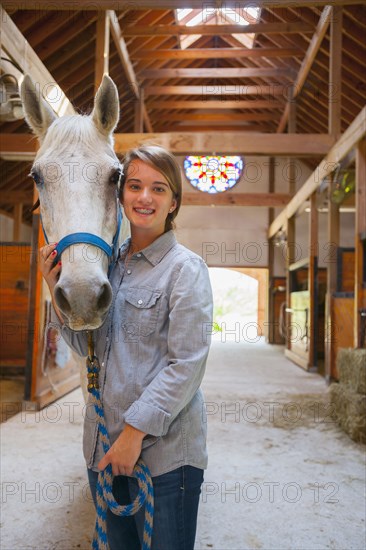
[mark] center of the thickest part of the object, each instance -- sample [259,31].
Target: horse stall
[302,330]
[33,356]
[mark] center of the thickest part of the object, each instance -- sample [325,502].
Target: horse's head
[77,175]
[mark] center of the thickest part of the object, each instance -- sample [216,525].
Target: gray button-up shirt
[152,350]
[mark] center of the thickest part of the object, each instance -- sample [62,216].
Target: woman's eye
[160,189]
[37,177]
[115,177]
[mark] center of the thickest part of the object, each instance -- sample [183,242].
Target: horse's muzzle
[84,306]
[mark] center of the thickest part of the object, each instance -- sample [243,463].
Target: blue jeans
[176,498]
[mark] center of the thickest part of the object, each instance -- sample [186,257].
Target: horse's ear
[105,114]
[38,113]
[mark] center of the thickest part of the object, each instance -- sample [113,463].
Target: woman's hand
[124,452]
[50,272]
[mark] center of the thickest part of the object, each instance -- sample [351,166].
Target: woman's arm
[51,273]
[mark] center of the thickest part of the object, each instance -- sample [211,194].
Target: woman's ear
[173,206]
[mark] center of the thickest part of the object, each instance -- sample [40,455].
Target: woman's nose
[145,195]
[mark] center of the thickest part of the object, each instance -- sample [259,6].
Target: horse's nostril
[105,297]
[61,300]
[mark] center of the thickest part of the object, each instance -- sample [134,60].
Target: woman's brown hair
[165,163]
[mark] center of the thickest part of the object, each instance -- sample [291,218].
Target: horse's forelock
[74,130]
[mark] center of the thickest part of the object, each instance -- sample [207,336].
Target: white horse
[77,175]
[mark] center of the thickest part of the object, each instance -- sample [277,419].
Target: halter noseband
[89,238]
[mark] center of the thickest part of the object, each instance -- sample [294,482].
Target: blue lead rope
[104,494]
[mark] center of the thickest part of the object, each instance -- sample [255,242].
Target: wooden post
[139,113]
[18,216]
[101,48]
[360,235]
[290,259]
[332,246]
[270,308]
[313,281]
[335,67]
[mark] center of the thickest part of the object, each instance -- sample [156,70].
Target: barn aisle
[281,474]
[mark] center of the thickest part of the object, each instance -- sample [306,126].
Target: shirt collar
[156,251]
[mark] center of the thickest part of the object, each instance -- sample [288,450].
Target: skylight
[219,16]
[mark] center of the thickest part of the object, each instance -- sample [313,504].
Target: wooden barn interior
[281,84]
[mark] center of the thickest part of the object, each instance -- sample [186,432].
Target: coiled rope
[104,494]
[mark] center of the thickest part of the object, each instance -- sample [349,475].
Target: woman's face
[147,198]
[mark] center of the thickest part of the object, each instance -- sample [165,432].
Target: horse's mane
[74,130]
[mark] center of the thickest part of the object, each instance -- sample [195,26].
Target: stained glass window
[213,174]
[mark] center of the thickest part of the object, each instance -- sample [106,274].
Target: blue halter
[89,238]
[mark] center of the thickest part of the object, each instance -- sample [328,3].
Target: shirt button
[128,271]
[138,255]
[103,364]
[140,302]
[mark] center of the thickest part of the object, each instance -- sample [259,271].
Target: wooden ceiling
[216,84]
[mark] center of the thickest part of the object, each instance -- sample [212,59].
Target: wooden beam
[225,72]
[139,109]
[299,145]
[217,53]
[235,199]
[20,51]
[18,216]
[16,197]
[360,229]
[219,30]
[207,127]
[256,143]
[313,280]
[126,63]
[18,146]
[335,69]
[101,49]
[217,90]
[218,117]
[330,330]
[308,60]
[210,8]
[215,104]
[354,133]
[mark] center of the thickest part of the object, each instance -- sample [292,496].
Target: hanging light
[11,107]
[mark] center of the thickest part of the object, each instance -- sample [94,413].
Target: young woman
[152,350]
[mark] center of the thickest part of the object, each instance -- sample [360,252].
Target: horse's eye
[37,177]
[115,177]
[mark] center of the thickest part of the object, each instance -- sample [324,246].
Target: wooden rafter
[179,30]
[222,72]
[215,90]
[216,53]
[101,48]
[308,60]
[215,104]
[126,63]
[163,4]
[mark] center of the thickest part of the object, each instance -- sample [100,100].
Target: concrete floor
[281,475]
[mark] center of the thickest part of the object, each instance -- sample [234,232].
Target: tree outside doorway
[235,305]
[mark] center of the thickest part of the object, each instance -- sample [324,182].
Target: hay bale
[350,411]
[351,365]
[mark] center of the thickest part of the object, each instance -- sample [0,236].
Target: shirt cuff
[147,418]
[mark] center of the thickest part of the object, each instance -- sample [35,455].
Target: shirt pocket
[141,311]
